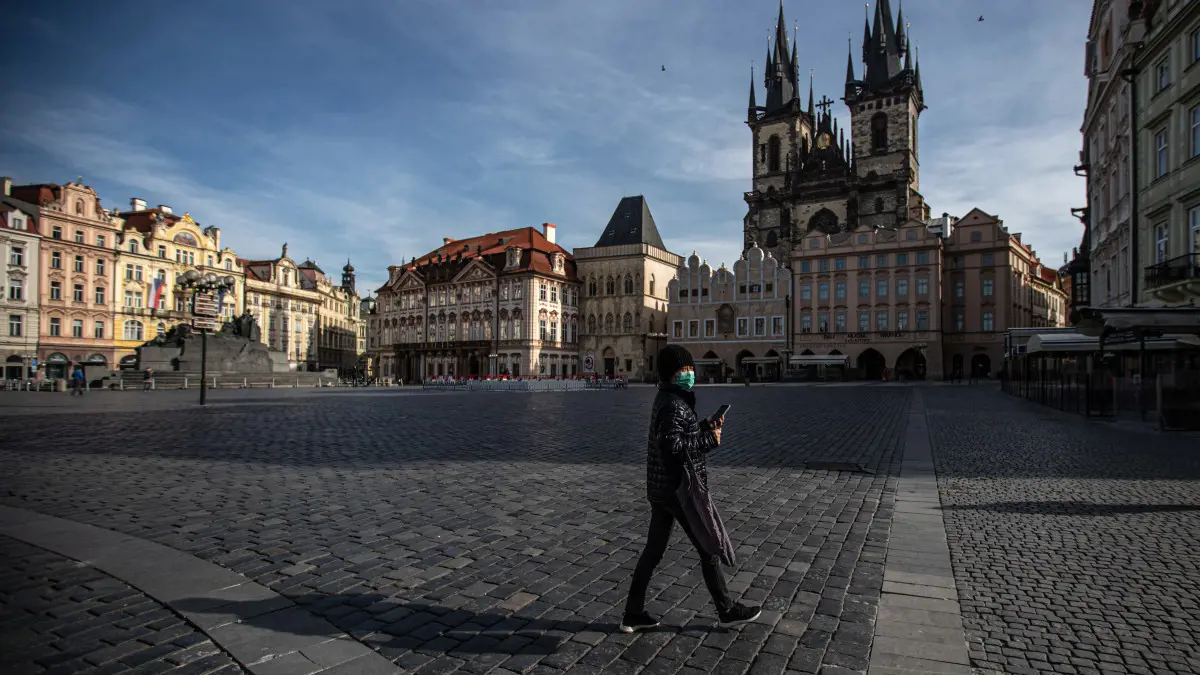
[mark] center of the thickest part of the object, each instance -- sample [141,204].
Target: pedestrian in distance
[78,379]
[148,379]
[677,488]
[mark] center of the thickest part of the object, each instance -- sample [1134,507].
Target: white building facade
[19,240]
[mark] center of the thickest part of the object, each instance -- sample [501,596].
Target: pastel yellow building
[154,249]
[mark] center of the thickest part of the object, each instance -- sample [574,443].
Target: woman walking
[677,444]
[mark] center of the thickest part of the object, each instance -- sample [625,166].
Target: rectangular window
[881,320]
[1160,153]
[56,260]
[960,321]
[902,288]
[56,290]
[553,294]
[710,328]
[1162,74]
[864,322]
[16,289]
[864,262]
[55,327]
[823,291]
[743,327]
[99,268]
[806,323]
[989,323]
[98,330]
[805,266]
[541,291]
[1194,134]
[823,265]
[56,232]
[1161,243]
[922,319]
[100,241]
[881,288]
[988,288]
[77,328]
[553,331]
[693,328]
[1194,46]
[922,257]
[77,293]
[78,236]
[128,271]
[839,264]
[902,258]
[864,289]
[881,260]
[839,290]
[99,295]
[989,258]
[777,326]
[922,286]
[15,323]
[960,288]
[823,322]
[16,256]
[839,322]
[78,263]
[760,326]
[1194,228]
[677,329]
[134,299]
[806,292]
[162,251]
[902,319]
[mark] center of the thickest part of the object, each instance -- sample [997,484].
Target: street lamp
[193,281]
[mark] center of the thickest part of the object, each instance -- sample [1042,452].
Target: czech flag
[156,293]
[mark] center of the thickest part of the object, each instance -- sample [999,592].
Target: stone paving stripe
[919,624]
[196,588]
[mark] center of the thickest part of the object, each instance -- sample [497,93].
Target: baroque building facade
[156,246]
[77,277]
[624,279]
[732,322]
[19,246]
[503,303]
[302,314]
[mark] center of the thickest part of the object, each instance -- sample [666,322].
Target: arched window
[772,239]
[628,284]
[610,288]
[627,324]
[161,328]
[608,324]
[133,246]
[591,325]
[652,285]
[879,131]
[79,207]
[592,288]
[773,153]
[134,330]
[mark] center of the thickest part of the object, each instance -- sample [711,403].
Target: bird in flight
[981,17]
[664,69]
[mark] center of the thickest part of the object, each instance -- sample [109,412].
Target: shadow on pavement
[388,623]
[1072,508]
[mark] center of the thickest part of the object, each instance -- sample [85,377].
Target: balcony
[1175,281]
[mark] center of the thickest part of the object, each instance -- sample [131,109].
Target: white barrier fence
[517,385]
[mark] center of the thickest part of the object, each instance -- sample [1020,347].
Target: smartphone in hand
[720,414]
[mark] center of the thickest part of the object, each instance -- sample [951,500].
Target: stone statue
[284,254]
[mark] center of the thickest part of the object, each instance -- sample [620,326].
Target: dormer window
[513,257]
[557,261]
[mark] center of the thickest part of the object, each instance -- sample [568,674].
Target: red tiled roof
[38,195]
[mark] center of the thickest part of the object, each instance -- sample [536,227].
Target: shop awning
[761,359]
[1094,320]
[813,360]
[707,362]
[1075,342]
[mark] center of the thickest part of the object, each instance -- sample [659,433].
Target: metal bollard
[185,382]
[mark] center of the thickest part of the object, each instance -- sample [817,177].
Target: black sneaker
[632,623]
[738,615]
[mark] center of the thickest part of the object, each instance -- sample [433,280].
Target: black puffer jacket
[674,431]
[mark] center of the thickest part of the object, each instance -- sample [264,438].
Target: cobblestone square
[496,533]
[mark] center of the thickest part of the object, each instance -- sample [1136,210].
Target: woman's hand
[716,432]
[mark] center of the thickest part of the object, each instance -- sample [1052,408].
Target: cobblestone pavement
[495,533]
[58,616]
[1074,544]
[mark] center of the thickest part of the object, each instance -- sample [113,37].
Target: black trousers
[662,520]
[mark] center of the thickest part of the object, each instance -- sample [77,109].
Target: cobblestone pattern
[480,533]
[59,616]
[1073,543]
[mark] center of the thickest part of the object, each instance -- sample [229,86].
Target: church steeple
[782,69]
[752,109]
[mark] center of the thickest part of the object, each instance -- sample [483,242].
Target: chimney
[137,204]
[447,240]
[164,208]
[548,231]
[6,183]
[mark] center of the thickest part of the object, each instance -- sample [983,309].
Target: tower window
[773,154]
[879,131]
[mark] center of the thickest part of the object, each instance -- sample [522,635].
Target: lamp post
[196,283]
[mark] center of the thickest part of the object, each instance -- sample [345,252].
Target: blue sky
[370,129]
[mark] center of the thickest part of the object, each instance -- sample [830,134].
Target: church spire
[752,109]
[849,61]
[901,34]
[812,101]
[866,32]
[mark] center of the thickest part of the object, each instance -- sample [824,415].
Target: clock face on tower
[824,140]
